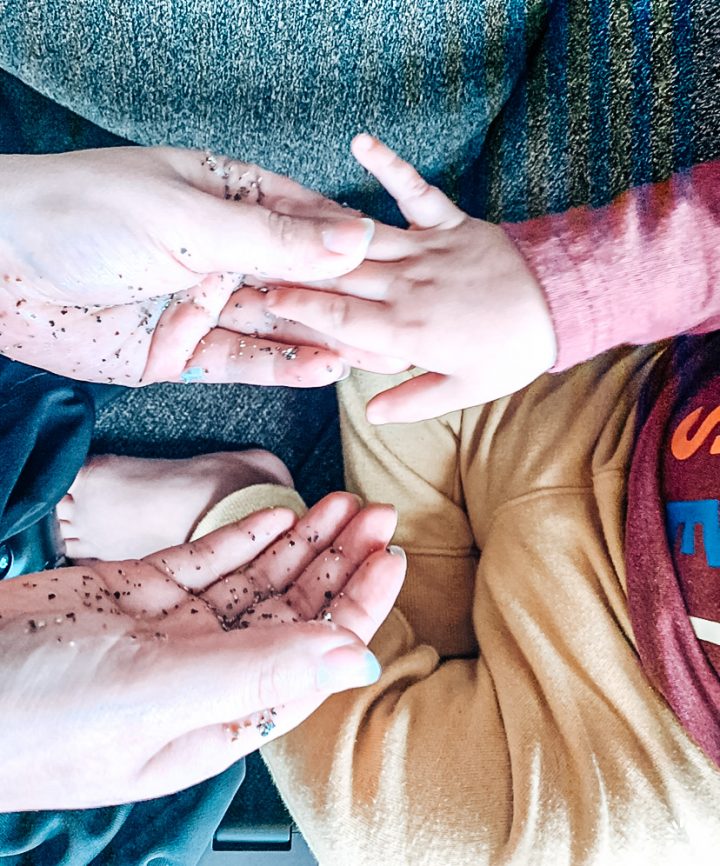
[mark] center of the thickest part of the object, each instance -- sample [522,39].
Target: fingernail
[192,374]
[347,369]
[347,667]
[364,141]
[395,550]
[349,237]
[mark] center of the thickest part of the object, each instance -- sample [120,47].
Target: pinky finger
[422,205]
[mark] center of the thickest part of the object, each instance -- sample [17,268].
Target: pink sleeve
[643,268]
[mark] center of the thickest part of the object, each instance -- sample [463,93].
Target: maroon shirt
[672,544]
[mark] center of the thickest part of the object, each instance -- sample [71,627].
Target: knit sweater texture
[515,107]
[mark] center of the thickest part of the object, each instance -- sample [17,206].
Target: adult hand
[452,295]
[129,680]
[123,265]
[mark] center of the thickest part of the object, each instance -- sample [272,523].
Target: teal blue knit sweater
[516,107]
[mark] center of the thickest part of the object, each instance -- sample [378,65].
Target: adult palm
[130,265]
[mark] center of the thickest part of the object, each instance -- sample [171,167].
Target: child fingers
[427,396]
[226,356]
[372,281]
[273,570]
[421,204]
[354,321]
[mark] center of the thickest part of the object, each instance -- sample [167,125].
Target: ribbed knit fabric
[639,270]
[516,107]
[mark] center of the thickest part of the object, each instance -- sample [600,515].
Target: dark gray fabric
[284,83]
[515,107]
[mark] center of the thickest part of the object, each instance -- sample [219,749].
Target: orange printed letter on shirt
[683,445]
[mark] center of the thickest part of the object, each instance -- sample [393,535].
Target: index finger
[355,321]
[421,204]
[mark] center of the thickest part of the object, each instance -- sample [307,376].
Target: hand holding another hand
[451,295]
[127,265]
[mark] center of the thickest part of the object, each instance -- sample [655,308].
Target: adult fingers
[328,574]
[275,568]
[427,396]
[369,595]
[249,238]
[187,318]
[246,313]
[236,180]
[372,280]
[354,321]
[284,672]
[422,205]
[201,563]
[226,356]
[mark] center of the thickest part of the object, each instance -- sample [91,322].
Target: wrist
[561,268]
[532,307]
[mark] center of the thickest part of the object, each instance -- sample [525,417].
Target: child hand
[451,294]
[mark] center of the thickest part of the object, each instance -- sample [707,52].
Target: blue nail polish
[193,374]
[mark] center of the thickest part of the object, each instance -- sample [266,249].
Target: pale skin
[124,266]
[151,683]
[451,295]
[127,265]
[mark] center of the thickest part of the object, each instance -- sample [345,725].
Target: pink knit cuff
[644,268]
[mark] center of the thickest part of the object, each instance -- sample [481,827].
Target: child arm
[484,309]
[643,268]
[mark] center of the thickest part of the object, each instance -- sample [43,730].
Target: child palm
[451,295]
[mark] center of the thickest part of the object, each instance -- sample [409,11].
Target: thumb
[418,399]
[233,674]
[251,239]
